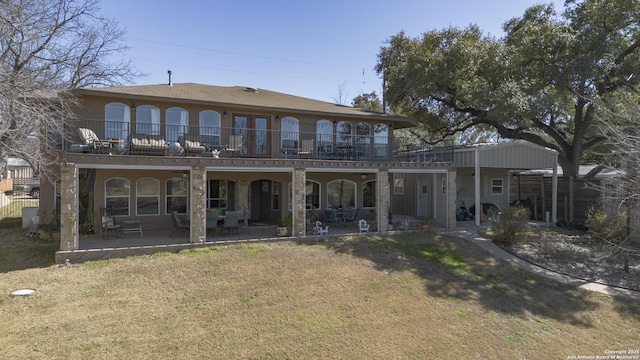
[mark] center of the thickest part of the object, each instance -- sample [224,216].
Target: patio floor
[170,237]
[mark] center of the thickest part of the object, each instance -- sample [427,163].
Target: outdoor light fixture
[224,114]
[363,176]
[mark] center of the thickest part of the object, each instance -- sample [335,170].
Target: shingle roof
[241,97]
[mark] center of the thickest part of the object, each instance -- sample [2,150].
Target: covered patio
[93,247]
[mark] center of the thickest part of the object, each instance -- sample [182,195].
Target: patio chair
[330,215]
[243,222]
[363,226]
[212,221]
[231,221]
[350,214]
[149,144]
[92,141]
[320,229]
[179,225]
[235,145]
[191,144]
[307,148]
[108,224]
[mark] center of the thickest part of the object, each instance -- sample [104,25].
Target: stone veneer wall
[198,204]
[298,202]
[383,200]
[69,207]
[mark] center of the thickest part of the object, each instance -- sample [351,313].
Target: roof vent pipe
[170,72]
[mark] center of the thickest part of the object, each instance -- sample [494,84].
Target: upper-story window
[148,120]
[117,117]
[324,137]
[380,140]
[290,132]
[210,127]
[177,121]
[344,133]
[363,139]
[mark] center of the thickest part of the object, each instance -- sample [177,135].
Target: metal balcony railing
[110,137]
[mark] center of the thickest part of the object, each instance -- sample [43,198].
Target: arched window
[380,141]
[210,127]
[148,196]
[369,194]
[177,195]
[363,140]
[117,117]
[341,193]
[116,195]
[324,137]
[290,132]
[177,120]
[148,120]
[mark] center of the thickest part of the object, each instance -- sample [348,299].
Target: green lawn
[408,296]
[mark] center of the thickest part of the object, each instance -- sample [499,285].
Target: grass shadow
[19,251]
[455,269]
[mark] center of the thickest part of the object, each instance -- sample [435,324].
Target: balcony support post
[69,219]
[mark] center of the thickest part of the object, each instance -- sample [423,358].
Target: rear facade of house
[146,152]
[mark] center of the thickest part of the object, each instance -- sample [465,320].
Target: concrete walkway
[471,234]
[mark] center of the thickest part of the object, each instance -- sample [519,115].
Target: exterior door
[424,200]
[254,131]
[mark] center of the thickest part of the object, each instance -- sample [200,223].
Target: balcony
[117,138]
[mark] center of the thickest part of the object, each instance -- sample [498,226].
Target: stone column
[198,209]
[451,200]
[383,197]
[298,181]
[69,207]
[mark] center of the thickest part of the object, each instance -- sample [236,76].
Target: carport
[514,155]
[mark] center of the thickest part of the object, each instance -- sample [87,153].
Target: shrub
[607,227]
[506,225]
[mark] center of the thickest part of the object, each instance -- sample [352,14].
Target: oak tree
[540,82]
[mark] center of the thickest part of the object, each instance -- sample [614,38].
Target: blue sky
[303,48]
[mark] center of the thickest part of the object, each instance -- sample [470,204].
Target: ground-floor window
[275,195]
[147,196]
[177,197]
[117,196]
[341,193]
[217,194]
[369,194]
[312,195]
[496,186]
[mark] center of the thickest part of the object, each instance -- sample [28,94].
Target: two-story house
[149,151]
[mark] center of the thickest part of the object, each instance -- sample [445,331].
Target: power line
[241,54]
[250,72]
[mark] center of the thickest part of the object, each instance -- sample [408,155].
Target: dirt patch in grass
[412,295]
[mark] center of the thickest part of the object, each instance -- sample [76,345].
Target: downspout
[477,186]
[554,193]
